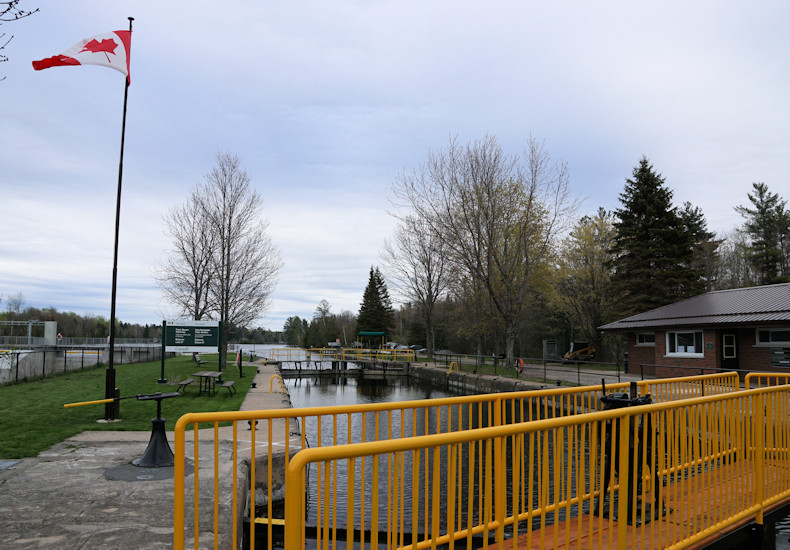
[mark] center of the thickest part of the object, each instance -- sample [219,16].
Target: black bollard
[637,426]
[158,453]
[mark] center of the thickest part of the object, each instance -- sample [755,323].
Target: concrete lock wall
[468,382]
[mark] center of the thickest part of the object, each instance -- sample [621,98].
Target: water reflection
[323,390]
[783,534]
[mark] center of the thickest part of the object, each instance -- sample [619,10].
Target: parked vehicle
[580,351]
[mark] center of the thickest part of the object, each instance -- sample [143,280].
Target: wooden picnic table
[207,380]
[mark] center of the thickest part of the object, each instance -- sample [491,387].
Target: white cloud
[326,103]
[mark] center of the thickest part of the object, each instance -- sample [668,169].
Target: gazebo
[371,334]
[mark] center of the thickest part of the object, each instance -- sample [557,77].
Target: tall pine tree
[375,313]
[705,248]
[653,248]
[768,228]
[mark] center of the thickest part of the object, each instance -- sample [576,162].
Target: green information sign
[191,336]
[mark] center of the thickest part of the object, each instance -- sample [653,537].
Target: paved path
[62,499]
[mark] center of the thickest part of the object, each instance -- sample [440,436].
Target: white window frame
[771,343]
[696,354]
[729,350]
[645,344]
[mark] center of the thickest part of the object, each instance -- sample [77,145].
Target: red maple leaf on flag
[107,46]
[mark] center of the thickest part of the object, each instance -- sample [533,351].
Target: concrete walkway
[63,498]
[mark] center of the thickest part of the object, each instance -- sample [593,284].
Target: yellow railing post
[759,454]
[294,508]
[500,475]
[178,491]
[623,476]
[280,379]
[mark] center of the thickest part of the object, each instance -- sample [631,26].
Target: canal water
[317,391]
[330,390]
[783,534]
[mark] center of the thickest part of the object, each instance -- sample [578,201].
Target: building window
[773,337]
[729,349]
[646,339]
[686,343]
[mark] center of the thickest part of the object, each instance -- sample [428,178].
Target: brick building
[747,329]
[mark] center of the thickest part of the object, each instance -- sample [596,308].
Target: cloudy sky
[327,102]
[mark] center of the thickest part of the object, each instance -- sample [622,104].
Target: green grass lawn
[32,417]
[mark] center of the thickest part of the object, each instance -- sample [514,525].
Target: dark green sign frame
[189,337]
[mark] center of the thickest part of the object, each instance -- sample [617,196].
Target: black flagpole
[110,409]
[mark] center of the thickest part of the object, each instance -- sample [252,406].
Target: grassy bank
[32,417]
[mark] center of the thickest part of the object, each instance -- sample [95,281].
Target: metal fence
[38,341]
[547,369]
[20,365]
[214,512]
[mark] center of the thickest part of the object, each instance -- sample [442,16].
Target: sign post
[189,337]
[162,379]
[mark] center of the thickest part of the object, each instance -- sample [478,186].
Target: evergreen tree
[387,311]
[292,331]
[375,312]
[768,228]
[653,262]
[705,247]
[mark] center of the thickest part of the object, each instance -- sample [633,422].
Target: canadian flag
[110,49]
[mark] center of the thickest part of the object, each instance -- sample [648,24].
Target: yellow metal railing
[345,354]
[302,354]
[283,432]
[280,380]
[378,355]
[764,379]
[607,476]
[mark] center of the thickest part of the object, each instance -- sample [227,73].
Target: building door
[729,351]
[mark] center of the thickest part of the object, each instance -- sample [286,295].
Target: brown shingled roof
[768,305]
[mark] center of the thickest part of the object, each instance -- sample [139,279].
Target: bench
[183,384]
[229,385]
[196,357]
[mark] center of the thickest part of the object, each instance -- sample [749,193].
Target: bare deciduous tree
[15,303]
[734,270]
[418,265]
[497,214]
[10,11]
[186,275]
[231,262]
